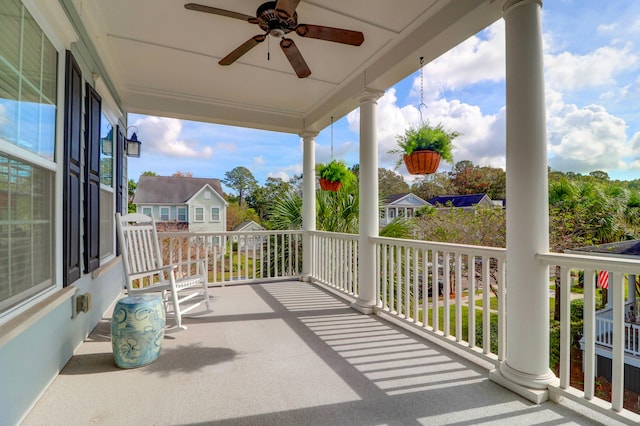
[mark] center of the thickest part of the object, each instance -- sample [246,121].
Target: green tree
[263,196]
[131,189]
[149,173]
[390,182]
[433,185]
[237,214]
[241,179]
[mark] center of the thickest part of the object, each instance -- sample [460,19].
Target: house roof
[171,190]
[397,198]
[458,200]
[619,249]
[246,223]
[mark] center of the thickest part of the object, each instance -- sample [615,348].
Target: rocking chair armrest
[153,271]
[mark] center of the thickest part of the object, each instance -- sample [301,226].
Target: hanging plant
[332,174]
[422,147]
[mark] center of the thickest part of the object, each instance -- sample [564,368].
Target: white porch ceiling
[163,59]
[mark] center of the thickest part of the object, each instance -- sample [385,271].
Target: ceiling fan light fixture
[276,32]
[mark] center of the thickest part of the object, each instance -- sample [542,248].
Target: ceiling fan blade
[295,58]
[242,49]
[288,7]
[216,11]
[338,35]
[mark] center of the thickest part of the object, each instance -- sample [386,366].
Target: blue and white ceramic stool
[137,330]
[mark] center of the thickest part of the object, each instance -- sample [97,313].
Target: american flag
[603,279]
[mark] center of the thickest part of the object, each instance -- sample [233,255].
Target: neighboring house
[604,317]
[182,203]
[399,205]
[248,242]
[466,202]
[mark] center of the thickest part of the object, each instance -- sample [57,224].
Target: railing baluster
[565,327]
[471,299]
[617,351]
[458,293]
[407,283]
[416,294]
[486,305]
[425,287]
[589,321]
[435,290]
[447,291]
[502,310]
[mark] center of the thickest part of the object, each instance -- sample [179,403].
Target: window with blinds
[28,80]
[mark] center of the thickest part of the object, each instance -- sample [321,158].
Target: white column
[527,355]
[308,201]
[368,202]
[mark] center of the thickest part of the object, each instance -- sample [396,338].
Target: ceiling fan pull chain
[268,49]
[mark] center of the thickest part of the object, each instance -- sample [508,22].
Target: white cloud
[473,61]
[286,173]
[569,71]
[258,161]
[586,139]
[162,135]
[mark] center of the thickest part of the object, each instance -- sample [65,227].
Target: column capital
[509,5]
[308,134]
[369,95]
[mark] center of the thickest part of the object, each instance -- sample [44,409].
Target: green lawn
[465,321]
[493,302]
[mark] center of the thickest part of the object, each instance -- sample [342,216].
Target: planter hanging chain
[422,104]
[332,137]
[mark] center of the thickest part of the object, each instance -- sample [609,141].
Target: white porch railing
[618,268]
[238,257]
[604,335]
[335,261]
[409,276]
[433,284]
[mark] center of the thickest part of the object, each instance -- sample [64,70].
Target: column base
[363,307]
[533,388]
[537,396]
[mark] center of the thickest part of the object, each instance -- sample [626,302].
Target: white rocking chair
[145,272]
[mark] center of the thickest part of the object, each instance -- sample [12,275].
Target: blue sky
[592,78]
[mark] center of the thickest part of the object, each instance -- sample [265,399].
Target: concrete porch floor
[285,353]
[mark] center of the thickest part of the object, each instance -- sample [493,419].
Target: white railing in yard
[431,285]
[604,335]
[238,257]
[618,268]
[335,261]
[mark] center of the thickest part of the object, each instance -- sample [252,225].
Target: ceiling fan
[277,18]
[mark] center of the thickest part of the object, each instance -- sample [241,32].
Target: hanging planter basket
[327,185]
[423,162]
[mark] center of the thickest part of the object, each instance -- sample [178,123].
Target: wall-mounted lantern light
[132,146]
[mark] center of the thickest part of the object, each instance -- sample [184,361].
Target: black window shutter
[72,169]
[119,182]
[92,180]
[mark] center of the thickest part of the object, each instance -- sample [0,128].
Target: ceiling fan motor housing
[276,23]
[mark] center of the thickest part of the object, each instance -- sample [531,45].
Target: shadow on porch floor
[284,353]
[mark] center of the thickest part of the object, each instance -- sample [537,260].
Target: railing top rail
[497,252]
[342,235]
[227,233]
[588,261]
